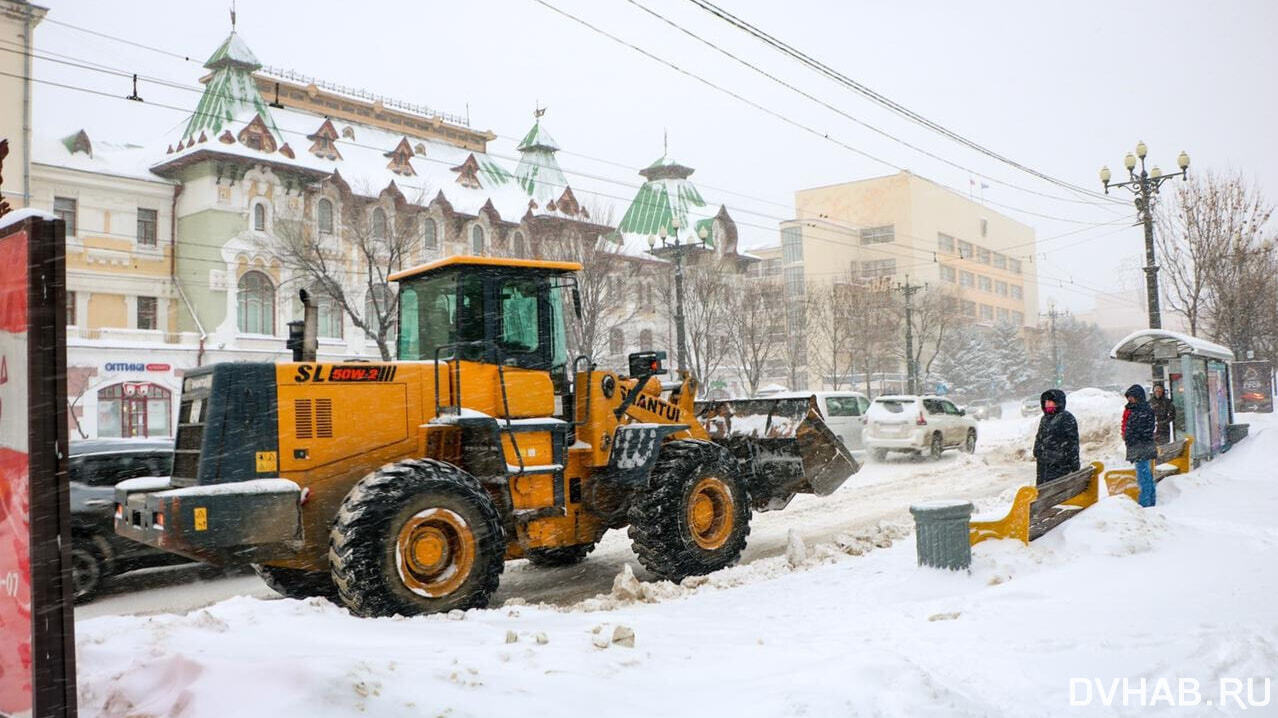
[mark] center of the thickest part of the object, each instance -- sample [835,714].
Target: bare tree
[756,328]
[935,314]
[610,283]
[706,298]
[876,325]
[373,238]
[1194,233]
[830,331]
[1220,262]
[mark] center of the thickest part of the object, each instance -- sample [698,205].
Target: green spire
[538,172]
[230,93]
[667,193]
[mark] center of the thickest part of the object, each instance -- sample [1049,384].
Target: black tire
[936,448]
[564,556]
[879,454]
[89,569]
[969,445]
[435,503]
[296,583]
[661,529]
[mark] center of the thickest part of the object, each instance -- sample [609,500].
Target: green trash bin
[941,533]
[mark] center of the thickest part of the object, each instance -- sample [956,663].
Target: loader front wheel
[695,516]
[418,536]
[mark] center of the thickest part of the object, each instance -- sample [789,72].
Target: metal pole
[1056,357]
[679,333]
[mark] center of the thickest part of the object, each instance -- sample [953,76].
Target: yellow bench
[1177,454]
[1038,509]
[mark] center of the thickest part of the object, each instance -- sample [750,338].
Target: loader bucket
[783,445]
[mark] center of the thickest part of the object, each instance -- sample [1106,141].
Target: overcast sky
[1062,89]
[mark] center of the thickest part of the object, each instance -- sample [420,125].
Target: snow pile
[1099,415]
[1183,591]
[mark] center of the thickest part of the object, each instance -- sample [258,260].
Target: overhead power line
[882,100]
[845,114]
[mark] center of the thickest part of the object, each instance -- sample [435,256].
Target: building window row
[878,235]
[878,268]
[946,244]
[791,245]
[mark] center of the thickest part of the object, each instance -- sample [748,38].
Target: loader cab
[486,309]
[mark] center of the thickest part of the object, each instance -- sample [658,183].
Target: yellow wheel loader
[403,487]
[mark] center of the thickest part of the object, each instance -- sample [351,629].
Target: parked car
[843,411]
[917,424]
[1031,406]
[95,467]
[982,409]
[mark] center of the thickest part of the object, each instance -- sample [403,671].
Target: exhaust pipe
[303,335]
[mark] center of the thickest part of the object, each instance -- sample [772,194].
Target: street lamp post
[672,245]
[1144,185]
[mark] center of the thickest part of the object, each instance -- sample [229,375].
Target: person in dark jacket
[1056,445]
[1138,434]
[1164,412]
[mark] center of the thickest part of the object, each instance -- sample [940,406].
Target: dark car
[95,467]
[985,409]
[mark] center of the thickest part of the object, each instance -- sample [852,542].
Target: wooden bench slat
[1038,509]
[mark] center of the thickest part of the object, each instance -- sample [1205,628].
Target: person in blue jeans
[1138,435]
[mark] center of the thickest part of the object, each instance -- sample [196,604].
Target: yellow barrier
[1123,481]
[1017,522]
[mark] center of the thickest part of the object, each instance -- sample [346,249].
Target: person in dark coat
[1138,434]
[1056,445]
[1164,412]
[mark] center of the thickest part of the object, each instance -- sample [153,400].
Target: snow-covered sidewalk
[1147,603]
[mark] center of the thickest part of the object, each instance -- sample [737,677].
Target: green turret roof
[667,194]
[230,94]
[233,51]
[538,172]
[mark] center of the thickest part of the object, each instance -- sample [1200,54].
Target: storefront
[125,398]
[1198,381]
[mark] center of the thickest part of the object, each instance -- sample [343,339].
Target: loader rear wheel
[563,556]
[296,583]
[695,516]
[418,536]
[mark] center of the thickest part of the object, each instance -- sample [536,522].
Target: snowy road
[880,492]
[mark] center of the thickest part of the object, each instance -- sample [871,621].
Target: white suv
[917,424]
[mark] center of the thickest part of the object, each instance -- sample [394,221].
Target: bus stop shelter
[1199,384]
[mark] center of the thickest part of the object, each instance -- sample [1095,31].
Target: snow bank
[1099,414]
[1181,591]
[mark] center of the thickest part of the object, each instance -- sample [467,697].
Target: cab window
[440,311]
[842,406]
[520,316]
[933,406]
[950,408]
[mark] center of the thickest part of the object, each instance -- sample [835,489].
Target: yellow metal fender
[1017,522]
[1014,525]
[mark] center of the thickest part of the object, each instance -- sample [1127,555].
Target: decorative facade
[190,250]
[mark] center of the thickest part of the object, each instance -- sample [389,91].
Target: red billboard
[15,509]
[37,638]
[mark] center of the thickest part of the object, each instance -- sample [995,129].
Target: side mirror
[962,412]
[647,364]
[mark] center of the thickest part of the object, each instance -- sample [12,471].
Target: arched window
[518,244]
[132,409]
[330,314]
[645,340]
[379,224]
[377,304]
[616,341]
[256,301]
[476,240]
[430,240]
[324,212]
[259,217]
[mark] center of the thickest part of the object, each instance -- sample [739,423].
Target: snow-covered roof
[110,158]
[1148,345]
[233,50]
